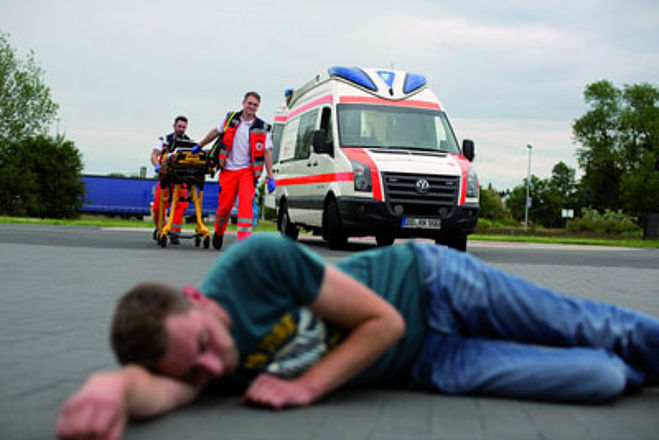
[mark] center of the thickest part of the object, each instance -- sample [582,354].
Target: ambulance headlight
[362,176]
[472,183]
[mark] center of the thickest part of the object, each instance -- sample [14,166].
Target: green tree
[597,131]
[491,206]
[517,199]
[40,177]
[619,151]
[26,109]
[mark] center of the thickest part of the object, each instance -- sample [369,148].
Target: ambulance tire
[332,228]
[384,239]
[456,241]
[284,223]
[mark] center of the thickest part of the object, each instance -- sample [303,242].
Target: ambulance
[371,152]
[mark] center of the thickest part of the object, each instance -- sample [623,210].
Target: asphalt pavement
[59,286]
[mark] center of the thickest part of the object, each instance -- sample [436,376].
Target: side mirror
[468,149]
[319,144]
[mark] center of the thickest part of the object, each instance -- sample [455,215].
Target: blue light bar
[387,77]
[413,81]
[353,74]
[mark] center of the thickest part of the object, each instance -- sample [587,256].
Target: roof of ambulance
[370,85]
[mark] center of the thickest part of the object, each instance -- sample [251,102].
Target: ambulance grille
[401,189]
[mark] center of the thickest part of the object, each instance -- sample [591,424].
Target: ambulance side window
[326,124]
[288,140]
[277,130]
[304,134]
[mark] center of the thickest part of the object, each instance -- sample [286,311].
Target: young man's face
[250,106]
[199,348]
[180,126]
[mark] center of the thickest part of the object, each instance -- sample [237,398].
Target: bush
[40,177]
[609,222]
[491,206]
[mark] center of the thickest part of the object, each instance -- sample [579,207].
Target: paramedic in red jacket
[244,149]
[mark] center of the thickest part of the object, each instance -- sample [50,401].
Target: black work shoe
[217,240]
[173,239]
[155,234]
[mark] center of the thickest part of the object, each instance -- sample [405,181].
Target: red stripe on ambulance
[464,165]
[362,156]
[373,100]
[318,178]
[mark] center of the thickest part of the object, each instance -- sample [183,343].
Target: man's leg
[154,210]
[470,298]
[177,223]
[472,365]
[245,203]
[227,197]
[161,193]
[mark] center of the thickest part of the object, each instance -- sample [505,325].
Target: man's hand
[96,411]
[271,391]
[271,185]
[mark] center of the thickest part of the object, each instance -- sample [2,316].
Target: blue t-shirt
[266,284]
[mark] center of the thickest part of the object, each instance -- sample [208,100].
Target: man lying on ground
[272,315]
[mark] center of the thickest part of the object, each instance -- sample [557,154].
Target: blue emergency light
[413,81]
[353,74]
[387,77]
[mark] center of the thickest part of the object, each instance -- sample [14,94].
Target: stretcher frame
[183,167]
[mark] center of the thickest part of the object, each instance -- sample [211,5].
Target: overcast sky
[509,73]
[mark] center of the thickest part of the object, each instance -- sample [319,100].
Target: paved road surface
[59,285]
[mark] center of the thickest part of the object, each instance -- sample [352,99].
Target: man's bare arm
[268,163]
[103,404]
[375,326]
[211,136]
[155,157]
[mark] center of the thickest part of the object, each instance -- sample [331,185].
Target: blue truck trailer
[131,197]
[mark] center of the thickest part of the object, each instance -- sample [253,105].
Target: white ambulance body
[371,152]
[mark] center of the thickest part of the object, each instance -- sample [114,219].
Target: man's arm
[268,163]
[102,405]
[211,136]
[375,326]
[155,157]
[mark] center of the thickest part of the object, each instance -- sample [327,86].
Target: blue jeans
[494,334]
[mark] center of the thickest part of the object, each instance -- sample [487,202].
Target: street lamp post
[528,187]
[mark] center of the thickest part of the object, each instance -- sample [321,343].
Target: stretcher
[183,169]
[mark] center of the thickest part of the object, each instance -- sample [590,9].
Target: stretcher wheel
[207,242]
[197,241]
[162,241]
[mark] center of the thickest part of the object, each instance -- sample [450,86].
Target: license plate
[422,223]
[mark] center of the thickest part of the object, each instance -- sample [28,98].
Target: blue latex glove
[271,185]
[156,169]
[196,149]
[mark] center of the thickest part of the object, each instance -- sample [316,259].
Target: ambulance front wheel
[284,223]
[332,226]
[384,239]
[457,241]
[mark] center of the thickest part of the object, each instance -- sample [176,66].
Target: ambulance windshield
[381,126]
